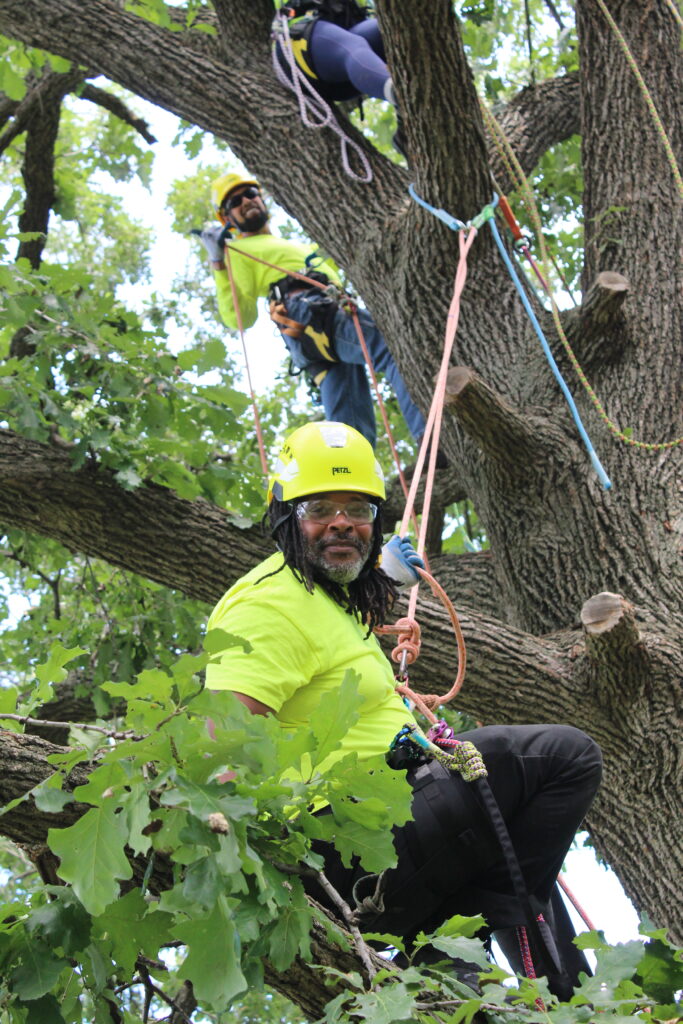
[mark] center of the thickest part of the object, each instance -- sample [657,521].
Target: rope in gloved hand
[407,629]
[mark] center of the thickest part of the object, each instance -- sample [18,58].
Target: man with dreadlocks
[308,613]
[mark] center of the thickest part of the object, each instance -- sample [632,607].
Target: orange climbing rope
[407,629]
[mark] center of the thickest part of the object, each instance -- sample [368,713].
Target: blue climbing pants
[352,56]
[345,391]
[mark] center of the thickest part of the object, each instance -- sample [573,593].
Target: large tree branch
[189,545]
[537,118]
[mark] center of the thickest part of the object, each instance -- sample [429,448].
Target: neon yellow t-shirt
[253,280]
[302,646]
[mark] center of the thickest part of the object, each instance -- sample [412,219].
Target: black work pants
[544,779]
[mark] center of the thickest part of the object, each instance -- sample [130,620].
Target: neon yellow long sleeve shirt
[253,279]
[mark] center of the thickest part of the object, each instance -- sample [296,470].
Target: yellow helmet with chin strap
[225,184]
[325,456]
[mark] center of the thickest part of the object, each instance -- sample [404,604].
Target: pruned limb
[118,108]
[597,329]
[619,662]
[519,445]
[610,627]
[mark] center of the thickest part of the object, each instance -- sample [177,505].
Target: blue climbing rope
[487,214]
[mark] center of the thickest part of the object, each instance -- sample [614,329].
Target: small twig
[52,582]
[150,987]
[359,942]
[113,734]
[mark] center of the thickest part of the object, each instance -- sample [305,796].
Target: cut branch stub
[518,444]
[603,613]
[610,629]
[597,329]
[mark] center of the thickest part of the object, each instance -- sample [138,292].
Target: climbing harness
[314,110]
[518,177]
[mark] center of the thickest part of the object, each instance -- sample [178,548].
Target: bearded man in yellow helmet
[320,336]
[308,612]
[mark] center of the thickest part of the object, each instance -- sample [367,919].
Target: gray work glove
[213,239]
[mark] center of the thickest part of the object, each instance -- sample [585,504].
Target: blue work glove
[213,238]
[398,558]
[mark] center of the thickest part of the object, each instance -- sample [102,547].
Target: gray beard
[341,574]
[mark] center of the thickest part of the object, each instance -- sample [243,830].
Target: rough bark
[556,537]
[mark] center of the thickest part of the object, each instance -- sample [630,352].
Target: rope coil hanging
[315,111]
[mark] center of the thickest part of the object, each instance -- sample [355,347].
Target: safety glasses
[320,510]
[250,192]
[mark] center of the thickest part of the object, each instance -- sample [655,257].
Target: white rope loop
[315,111]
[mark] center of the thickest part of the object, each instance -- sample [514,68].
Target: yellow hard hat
[225,184]
[325,457]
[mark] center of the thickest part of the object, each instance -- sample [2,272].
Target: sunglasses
[248,193]
[319,510]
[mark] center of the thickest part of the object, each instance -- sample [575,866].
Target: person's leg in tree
[346,398]
[369,30]
[347,347]
[544,778]
[339,55]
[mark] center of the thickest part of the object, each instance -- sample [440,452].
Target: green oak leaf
[132,926]
[334,716]
[659,972]
[291,935]
[203,800]
[375,849]
[387,1004]
[52,671]
[212,963]
[91,856]
[63,923]
[43,1011]
[38,971]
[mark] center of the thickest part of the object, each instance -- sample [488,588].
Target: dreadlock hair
[369,597]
